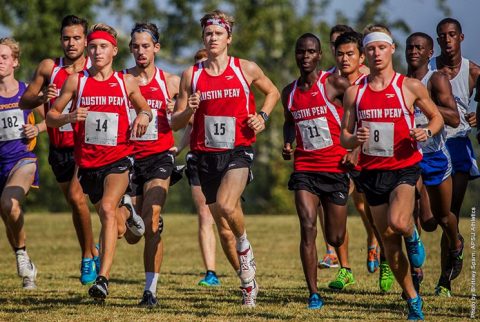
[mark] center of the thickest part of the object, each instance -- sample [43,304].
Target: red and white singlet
[385,113]
[61,137]
[220,122]
[317,129]
[159,135]
[104,137]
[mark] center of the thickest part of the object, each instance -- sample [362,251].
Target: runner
[103,151]
[44,88]
[18,163]
[223,136]
[312,119]
[463,75]
[382,110]
[153,159]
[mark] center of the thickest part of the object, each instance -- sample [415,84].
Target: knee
[205,218]
[399,225]
[429,225]
[226,209]
[10,207]
[336,239]
[226,235]
[107,211]
[76,199]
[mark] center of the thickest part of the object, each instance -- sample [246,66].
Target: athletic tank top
[436,142]
[317,129]
[461,92]
[159,135]
[384,112]
[103,137]
[61,137]
[13,144]
[220,122]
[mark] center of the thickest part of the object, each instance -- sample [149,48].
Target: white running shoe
[26,269]
[249,294]
[134,223]
[247,265]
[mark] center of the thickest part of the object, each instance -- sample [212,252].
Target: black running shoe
[454,264]
[148,300]
[99,289]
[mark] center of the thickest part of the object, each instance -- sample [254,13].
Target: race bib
[11,122]
[315,134]
[101,128]
[152,130]
[67,127]
[219,132]
[380,142]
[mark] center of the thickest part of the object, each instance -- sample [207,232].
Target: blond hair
[14,47]
[104,27]
[217,14]
[377,27]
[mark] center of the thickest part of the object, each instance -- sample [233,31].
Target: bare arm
[54,117]
[336,86]
[348,138]
[442,95]
[33,95]
[144,113]
[288,125]
[186,103]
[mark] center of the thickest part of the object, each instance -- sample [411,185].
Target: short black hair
[350,37]
[72,20]
[148,27]
[424,36]
[340,29]
[311,36]
[449,20]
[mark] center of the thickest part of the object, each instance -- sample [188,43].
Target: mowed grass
[283,294]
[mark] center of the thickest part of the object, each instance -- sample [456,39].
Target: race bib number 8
[380,142]
[315,134]
[11,122]
[152,130]
[219,132]
[101,128]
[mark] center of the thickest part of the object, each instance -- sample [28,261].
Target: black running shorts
[157,166]
[62,162]
[192,168]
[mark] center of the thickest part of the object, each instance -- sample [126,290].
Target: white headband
[377,36]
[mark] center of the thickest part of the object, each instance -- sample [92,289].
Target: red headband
[218,22]
[100,34]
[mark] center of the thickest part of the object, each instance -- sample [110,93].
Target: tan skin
[227,210]
[150,204]
[101,52]
[308,55]
[40,91]
[393,219]
[21,178]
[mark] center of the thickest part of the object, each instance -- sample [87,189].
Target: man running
[103,150]
[463,75]
[312,118]
[51,74]
[153,160]
[18,163]
[381,109]
[218,92]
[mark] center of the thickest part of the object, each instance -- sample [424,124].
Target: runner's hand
[471,119]
[256,123]
[140,124]
[30,131]
[287,151]
[362,135]
[418,134]
[194,101]
[78,115]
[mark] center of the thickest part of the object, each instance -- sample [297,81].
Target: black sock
[213,272]
[101,279]
[20,248]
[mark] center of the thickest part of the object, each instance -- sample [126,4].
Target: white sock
[242,242]
[151,280]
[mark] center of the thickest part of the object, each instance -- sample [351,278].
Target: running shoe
[26,270]
[415,309]
[372,259]
[385,278]
[454,263]
[330,260]
[249,294]
[415,250]
[134,223]
[247,265]
[343,279]
[148,300]
[88,272]
[99,289]
[315,301]
[96,259]
[210,279]
[442,291]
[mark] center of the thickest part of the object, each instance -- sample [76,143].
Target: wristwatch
[263,115]
[428,132]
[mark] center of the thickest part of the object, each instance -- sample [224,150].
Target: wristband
[150,115]
[263,115]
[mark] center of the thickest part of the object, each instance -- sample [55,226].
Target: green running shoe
[343,279]
[385,278]
[442,291]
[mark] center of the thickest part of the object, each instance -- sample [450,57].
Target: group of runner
[402,141]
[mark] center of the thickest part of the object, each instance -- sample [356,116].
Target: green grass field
[60,297]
